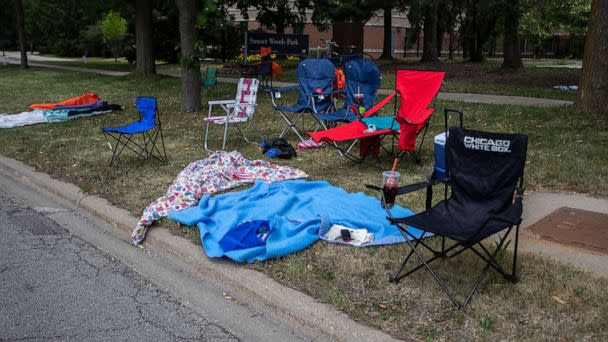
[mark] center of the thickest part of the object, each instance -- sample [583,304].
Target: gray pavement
[228,298]
[457,97]
[56,286]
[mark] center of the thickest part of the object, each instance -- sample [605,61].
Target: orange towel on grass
[74,101]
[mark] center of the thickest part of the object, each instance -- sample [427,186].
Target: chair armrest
[402,190]
[379,105]
[281,90]
[232,105]
[221,102]
[406,189]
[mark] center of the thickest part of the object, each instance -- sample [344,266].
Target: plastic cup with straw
[390,182]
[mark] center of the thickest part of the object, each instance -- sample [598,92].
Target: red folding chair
[416,90]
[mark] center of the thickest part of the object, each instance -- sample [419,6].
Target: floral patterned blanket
[220,171]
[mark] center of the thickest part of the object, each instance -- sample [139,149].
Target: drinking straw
[394,166]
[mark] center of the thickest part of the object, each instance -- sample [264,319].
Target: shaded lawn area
[481,78]
[551,302]
[461,76]
[97,63]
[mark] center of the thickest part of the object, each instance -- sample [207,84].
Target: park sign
[284,44]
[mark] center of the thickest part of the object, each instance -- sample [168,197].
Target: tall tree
[21,32]
[144,43]
[191,72]
[430,51]
[387,41]
[593,94]
[510,47]
[478,27]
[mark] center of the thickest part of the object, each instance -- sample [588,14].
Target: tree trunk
[429,49]
[144,43]
[191,72]
[593,93]
[510,45]
[387,48]
[280,23]
[21,32]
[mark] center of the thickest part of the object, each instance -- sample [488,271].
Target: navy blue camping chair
[315,79]
[141,136]
[362,78]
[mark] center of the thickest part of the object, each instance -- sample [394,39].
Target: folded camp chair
[236,111]
[485,173]
[210,81]
[416,90]
[140,136]
[362,79]
[315,85]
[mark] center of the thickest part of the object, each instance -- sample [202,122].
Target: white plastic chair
[237,111]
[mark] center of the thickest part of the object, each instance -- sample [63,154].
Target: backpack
[276,69]
[278,148]
[339,79]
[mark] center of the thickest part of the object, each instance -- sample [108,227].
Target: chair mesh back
[313,74]
[485,167]
[147,107]
[362,77]
[247,92]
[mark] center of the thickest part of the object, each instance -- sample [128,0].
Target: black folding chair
[485,173]
[148,129]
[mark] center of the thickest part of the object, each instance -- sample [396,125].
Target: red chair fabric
[74,101]
[416,91]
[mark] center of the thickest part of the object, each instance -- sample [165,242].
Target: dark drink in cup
[390,182]
[390,192]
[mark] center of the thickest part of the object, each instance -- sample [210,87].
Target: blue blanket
[296,211]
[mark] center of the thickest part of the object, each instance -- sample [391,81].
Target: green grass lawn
[97,63]
[462,77]
[551,302]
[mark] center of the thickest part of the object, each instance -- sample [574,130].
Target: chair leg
[225,132]
[290,126]
[207,130]
[490,262]
[153,138]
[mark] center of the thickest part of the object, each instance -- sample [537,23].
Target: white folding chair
[236,111]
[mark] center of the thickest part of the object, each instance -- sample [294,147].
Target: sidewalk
[457,97]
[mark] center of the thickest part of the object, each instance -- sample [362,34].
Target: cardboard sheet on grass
[295,210]
[575,227]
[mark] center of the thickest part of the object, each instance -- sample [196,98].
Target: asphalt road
[56,286]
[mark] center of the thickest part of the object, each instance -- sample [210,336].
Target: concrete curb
[295,309]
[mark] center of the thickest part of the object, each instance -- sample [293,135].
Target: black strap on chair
[486,177]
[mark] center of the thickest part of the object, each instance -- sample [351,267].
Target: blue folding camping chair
[362,84]
[315,79]
[140,136]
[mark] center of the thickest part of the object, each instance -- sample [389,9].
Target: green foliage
[540,18]
[113,29]
[277,14]
[56,26]
[327,12]
[92,40]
